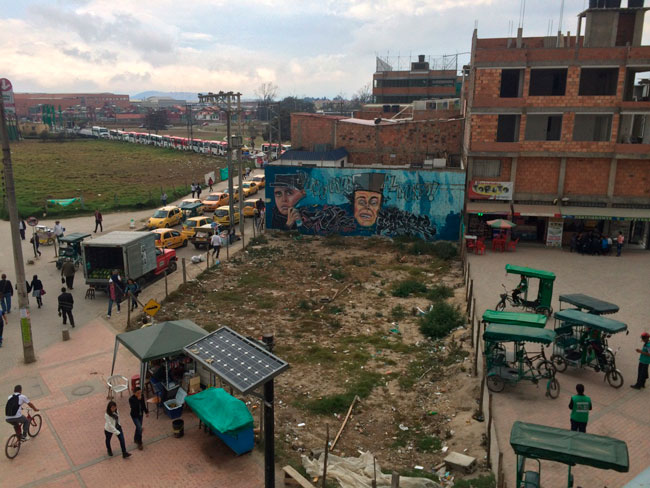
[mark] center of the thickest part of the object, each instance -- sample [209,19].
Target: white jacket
[111,423]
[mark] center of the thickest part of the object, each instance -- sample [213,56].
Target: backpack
[12,406]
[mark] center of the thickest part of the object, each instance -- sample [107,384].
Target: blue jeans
[110,305]
[120,437]
[618,249]
[137,437]
[6,302]
[18,421]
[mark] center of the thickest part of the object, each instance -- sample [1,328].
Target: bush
[442,318]
[445,250]
[398,312]
[258,240]
[440,292]
[338,274]
[405,288]
[485,481]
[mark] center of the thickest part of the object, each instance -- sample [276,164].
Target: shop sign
[490,190]
[554,233]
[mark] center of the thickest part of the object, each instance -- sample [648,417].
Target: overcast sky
[305,47]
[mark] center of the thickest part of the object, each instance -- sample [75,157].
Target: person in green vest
[644,361]
[580,406]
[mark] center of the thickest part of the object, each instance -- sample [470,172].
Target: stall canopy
[161,340]
[220,411]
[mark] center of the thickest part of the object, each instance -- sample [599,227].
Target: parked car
[235,193]
[260,181]
[251,187]
[203,234]
[250,209]
[169,238]
[215,200]
[165,217]
[222,216]
[190,203]
[191,224]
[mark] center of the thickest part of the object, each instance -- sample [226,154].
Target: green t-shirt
[581,407]
[643,359]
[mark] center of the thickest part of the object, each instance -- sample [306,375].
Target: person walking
[619,243]
[644,361]
[163,199]
[58,230]
[215,243]
[3,321]
[132,292]
[114,293]
[37,290]
[98,221]
[198,190]
[138,408]
[67,271]
[210,182]
[21,229]
[580,405]
[6,292]
[66,302]
[113,427]
[193,187]
[34,241]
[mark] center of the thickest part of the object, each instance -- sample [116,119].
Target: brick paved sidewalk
[67,384]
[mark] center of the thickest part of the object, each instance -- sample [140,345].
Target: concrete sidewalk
[68,385]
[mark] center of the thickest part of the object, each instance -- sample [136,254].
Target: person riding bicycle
[522,287]
[13,411]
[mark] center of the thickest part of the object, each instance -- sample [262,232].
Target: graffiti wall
[367,202]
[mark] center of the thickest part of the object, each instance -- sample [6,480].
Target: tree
[156,120]
[252,134]
[282,111]
[266,93]
[362,96]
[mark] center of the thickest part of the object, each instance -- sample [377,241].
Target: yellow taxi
[165,217]
[191,203]
[235,193]
[169,238]
[251,187]
[190,225]
[222,216]
[215,200]
[260,181]
[249,209]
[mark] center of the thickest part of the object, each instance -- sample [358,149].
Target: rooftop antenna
[522,13]
[559,26]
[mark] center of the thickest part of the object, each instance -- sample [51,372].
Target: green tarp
[576,317]
[223,174]
[515,318]
[590,304]
[568,447]
[517,333]
[535,273]
[220,411]
[63,202]
[161,340]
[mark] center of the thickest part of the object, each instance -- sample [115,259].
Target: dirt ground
[328,302]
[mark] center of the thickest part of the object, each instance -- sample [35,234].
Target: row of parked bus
[213,148]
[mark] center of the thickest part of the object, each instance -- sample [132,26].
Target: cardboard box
[194,385]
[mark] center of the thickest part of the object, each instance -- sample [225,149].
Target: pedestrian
[248,173]
[114,293]
[198,190]
[210,182]
[580,406]
[37,290]
[644,361]
[67,271]
[3,321]
[21,229]
[113,427]
[66,303]
[193,187]
[58,230]
[132,291]
[138,408]
[98,221]
[163,199]
[619,243]
[34,241]
[215,242]
[6,292]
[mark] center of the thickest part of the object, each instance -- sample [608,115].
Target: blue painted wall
[365,201]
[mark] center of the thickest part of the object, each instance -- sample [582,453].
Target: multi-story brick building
[557,132]
[27,101]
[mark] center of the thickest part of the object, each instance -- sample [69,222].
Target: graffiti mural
[362,201]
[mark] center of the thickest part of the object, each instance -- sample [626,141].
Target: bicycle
[516,301]
[12,447]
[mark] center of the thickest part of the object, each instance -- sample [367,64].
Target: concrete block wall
[537,175]
[632,178]
[587,176]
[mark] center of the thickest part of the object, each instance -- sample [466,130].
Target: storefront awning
[489,207]
[537,211]
[603,213]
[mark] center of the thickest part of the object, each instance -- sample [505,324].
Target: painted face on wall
[366,207]
[286,198]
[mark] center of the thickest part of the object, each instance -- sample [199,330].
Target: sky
[304,47]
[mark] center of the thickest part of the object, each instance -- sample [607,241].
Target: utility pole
[10,192]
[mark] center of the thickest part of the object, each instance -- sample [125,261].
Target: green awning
[74,237]
[576,317]
[515,318]
[535,273]
[190,205]
[590,304]
[161,340]
[569,447]
[64,202]
[518,333]
[220,410]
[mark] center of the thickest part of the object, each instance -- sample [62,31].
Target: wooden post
[207,260]
[128,309]
[489,431]
[373,483]
[480,415]
[477,349]
[166,289]
[470,295]
[394,480]
[327,441]
[500,479]
[473,308]
[473,330]
[184,271]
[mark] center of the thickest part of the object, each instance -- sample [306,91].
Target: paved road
[46,325]
[621,413]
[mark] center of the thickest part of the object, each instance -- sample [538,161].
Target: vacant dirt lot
[329,303]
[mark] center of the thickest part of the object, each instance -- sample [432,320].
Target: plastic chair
[135,381]
[512,245]
[117,384]
[480,248]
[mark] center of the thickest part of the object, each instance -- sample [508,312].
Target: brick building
[556,135]
[27,101]
[385,142]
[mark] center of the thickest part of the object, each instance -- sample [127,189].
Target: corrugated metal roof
[119,238]
[334,155]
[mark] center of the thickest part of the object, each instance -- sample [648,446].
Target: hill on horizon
[188,96]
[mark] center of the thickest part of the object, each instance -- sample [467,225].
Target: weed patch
[409,287]
[331,404]
[442,318]
[439,292]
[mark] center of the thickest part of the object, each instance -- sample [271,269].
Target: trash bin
[178,427]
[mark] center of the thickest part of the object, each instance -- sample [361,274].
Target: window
[591,127]
[486,168]
[633,129]
[508,128]
[543,127]
[511,83]
[598,81]
[547,82]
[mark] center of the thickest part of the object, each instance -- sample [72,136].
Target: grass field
[108,175]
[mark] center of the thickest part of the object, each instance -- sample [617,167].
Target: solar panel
[239,361]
